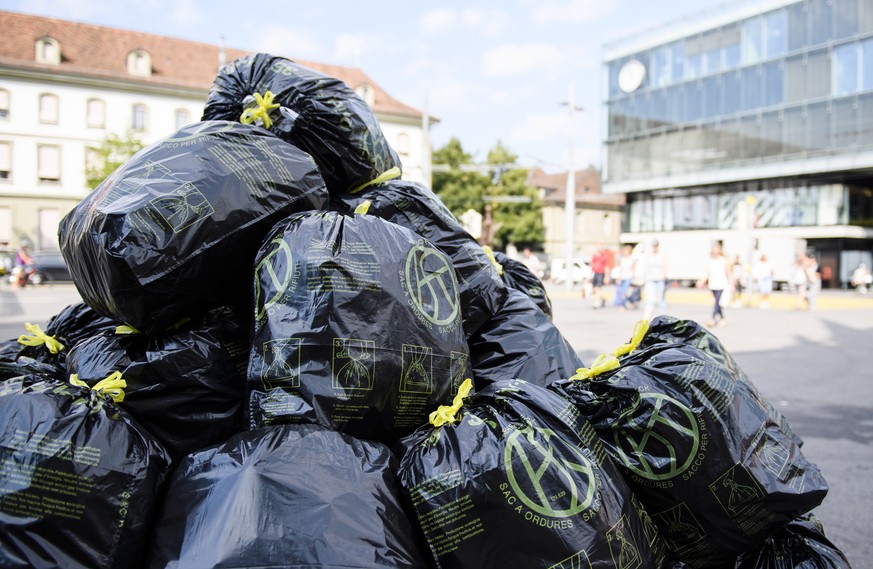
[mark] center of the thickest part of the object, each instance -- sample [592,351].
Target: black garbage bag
[315,112]
[186,386]
[413,206]
[357,327]
[707,460]
[80,481]
[671,330]
[174,230]
[50,347]
[286,496]
[520,480]
[516,275]
[521,341]
[801,544]
[29,366]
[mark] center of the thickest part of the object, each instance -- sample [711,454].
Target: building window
[139,62]
[4,104]
[5,160]
[183,117]
[49,219]
[403,144]
[49,163]
[5,227]
[48,50]
[139,117]
[867,64]
[366,92]
[96,113]
[48,108]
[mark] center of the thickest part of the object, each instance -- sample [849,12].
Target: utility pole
[570,203]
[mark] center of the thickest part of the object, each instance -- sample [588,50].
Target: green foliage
[112,153]
[460,190]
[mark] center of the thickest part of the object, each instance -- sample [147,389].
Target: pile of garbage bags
[289,356]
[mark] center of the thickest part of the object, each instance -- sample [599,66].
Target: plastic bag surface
[80,481]
[799,545]
[357,327]
[297,496]
[521,341]
[186,386]
[50,347]
[415,207]
[517,276]
[316,112]
[521,480]
[175,229]
[712,466]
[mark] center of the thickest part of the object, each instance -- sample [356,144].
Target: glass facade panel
[818,121]
[730,83]
[773,83]
[752,40]
[795,79]
[771,134]
[820,21]
[751,88]
[865,119]
[845,69]
[796,26]
[867,63]
[818,70]
[677,61]
[845,121]
[794,130]
[775,32]
[846,18]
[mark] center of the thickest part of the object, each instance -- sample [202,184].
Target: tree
[459,189]
[112,153]
[469,188]
[520,223]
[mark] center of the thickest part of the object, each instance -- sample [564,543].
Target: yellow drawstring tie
[602,364]
[112,387]
[39,338]
[389,174]
[125,329]
[448,413]
[363,208]
[640,330]
[262,111]
[494,262]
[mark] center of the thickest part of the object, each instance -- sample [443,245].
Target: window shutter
[49,163]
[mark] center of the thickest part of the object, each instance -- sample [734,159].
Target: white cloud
[438,21]
[287,42]
[353,47]
[513,59]
[569,11]
[186,13]
[489,21]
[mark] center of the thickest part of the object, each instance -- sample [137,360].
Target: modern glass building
[768,104]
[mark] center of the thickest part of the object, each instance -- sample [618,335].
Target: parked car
[49,267]
[579,273]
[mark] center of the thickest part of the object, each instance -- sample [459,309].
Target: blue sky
[488,70]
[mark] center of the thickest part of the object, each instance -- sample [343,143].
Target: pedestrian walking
[813,277]
[763,276]
[655,268]
[599,269]
[718,280]
[625,275]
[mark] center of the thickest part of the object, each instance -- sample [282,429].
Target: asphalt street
[816,367]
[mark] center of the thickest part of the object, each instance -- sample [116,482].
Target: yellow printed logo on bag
[550,481]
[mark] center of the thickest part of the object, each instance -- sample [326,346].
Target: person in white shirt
[718,279]
[763,275]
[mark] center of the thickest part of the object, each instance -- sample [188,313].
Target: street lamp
[570,203]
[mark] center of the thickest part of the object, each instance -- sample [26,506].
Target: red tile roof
[98,51]
[587,187]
